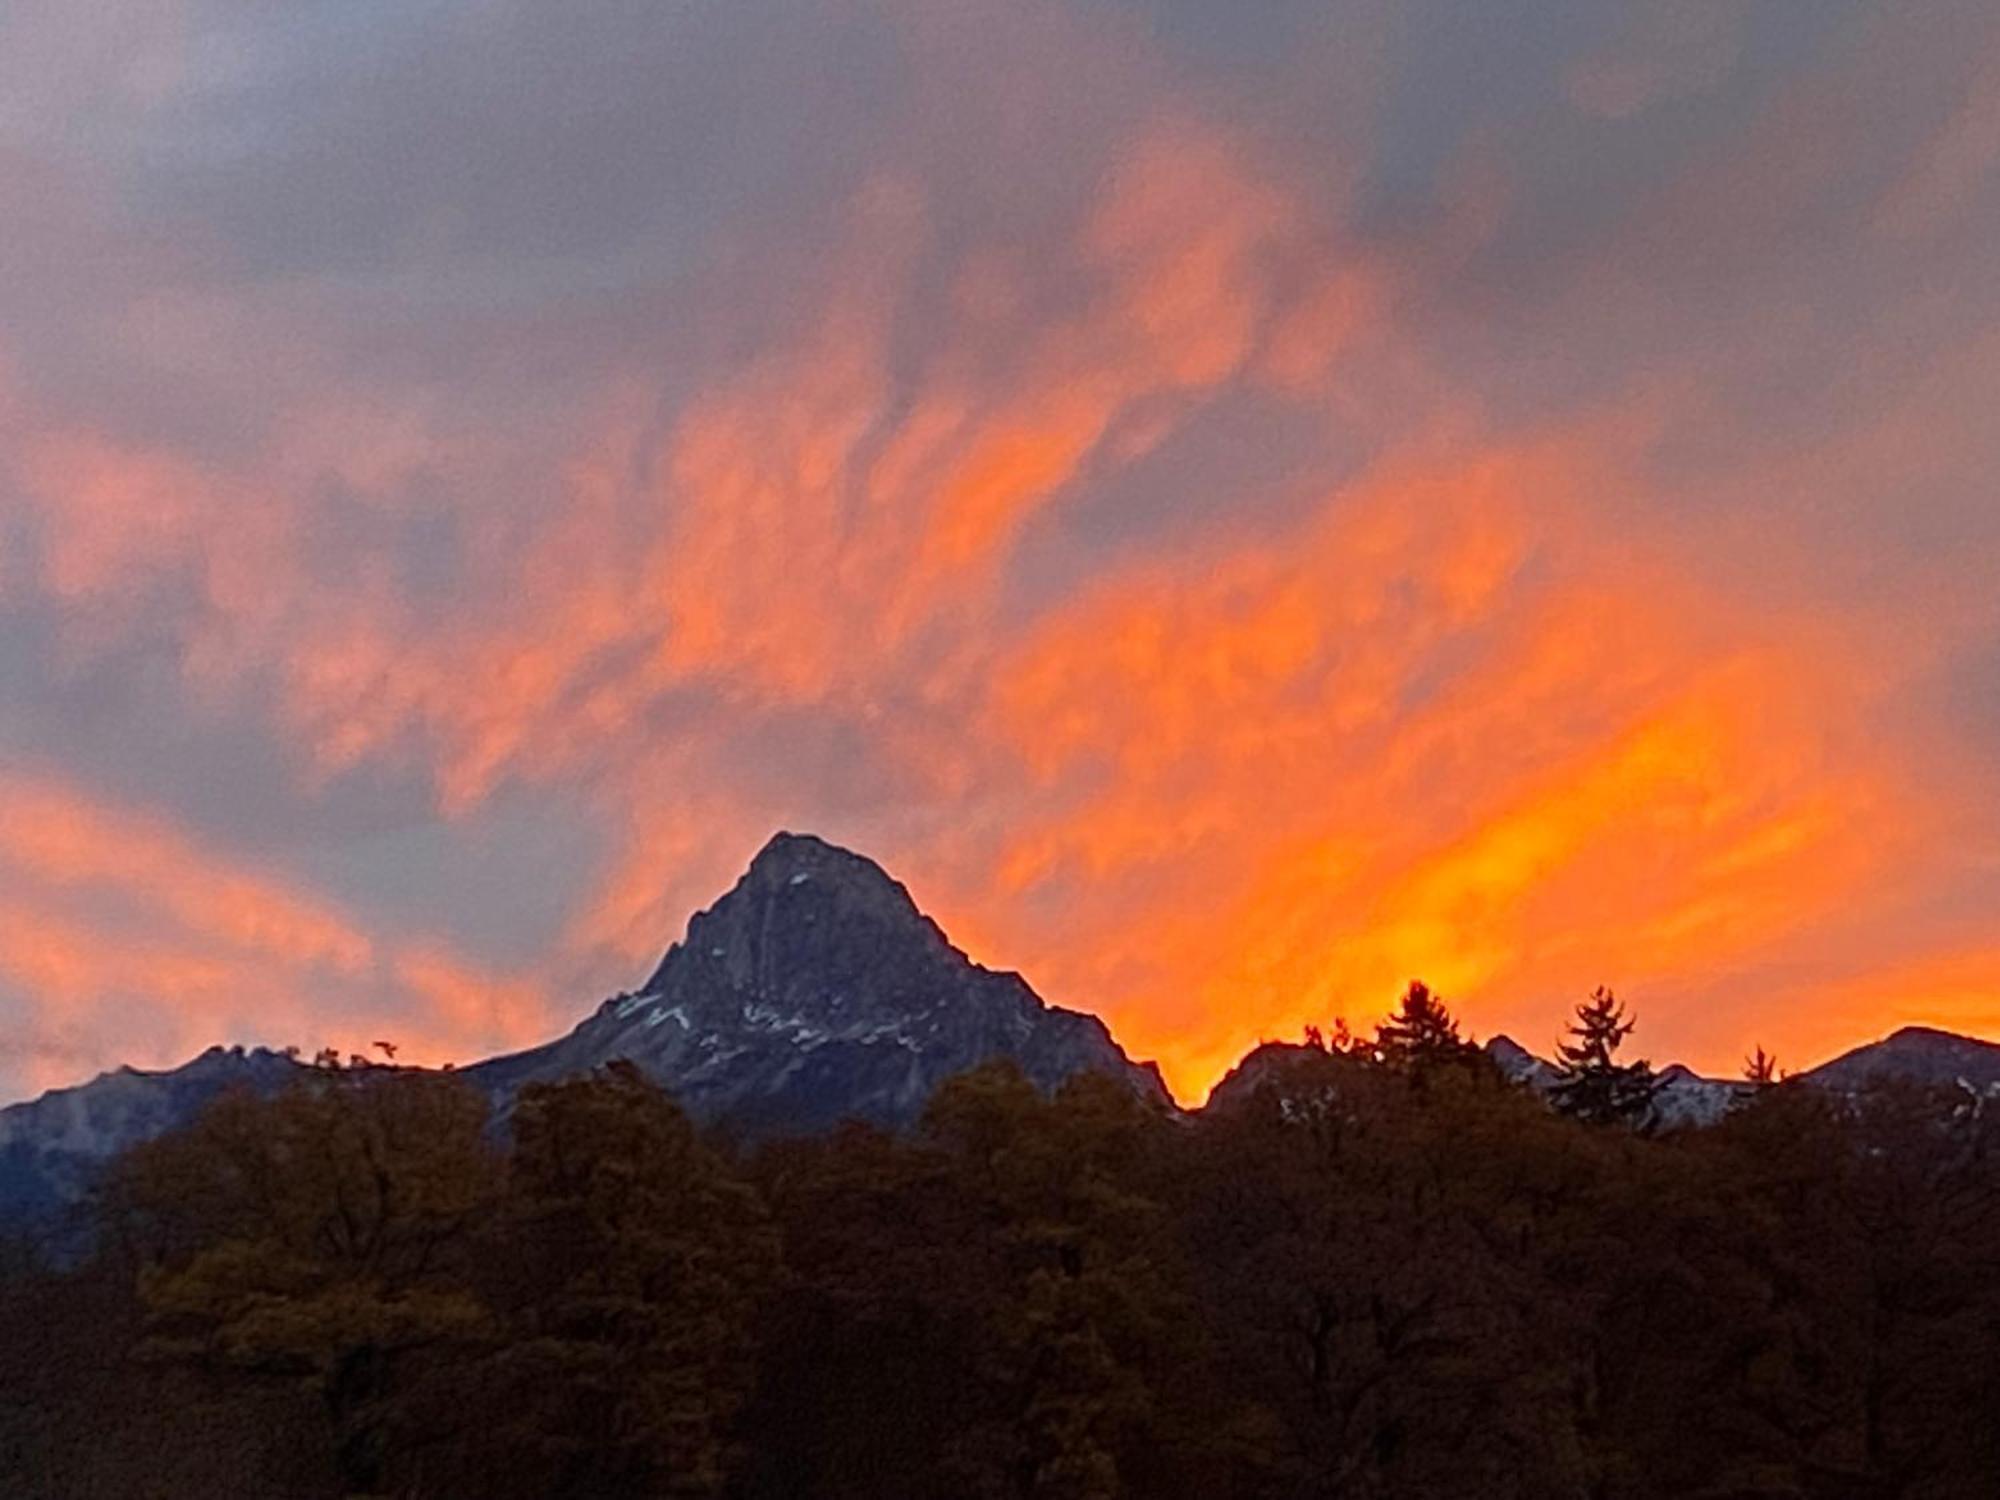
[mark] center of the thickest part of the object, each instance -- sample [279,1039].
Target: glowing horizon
[1237,512]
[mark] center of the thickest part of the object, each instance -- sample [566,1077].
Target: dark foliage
[1593,1085]
[1422,1035]
[1368,1276]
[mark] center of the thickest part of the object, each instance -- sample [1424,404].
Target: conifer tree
[1593,1085]
[1422,1031]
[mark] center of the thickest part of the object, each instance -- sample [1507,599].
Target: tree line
[1377,1269]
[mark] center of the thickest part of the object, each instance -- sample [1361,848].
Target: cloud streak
[104,910]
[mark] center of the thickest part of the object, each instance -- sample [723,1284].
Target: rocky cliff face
[816,991]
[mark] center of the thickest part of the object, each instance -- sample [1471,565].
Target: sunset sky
[1238,505]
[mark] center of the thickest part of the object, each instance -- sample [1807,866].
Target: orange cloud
[1957,989]
[1450,728]
[54,835]
[114,921]
[827,516]
[460,1004]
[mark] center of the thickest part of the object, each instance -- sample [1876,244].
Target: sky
[1239,505]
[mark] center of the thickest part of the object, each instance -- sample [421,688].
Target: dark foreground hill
[1399,1277]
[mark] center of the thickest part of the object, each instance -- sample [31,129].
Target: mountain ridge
[813,990]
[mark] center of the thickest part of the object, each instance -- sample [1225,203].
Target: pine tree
[1594,1086]
[1422,1031]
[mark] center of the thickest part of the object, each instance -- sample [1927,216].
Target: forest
[1371,1268]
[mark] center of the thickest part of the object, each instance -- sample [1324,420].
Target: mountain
[1264,1066]
[813,991]
[1521,1065]
[51,1147]
[816,991]
[1917,1054]
[1688,1099]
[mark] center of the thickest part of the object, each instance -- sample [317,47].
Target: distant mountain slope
[1917,1054]
[815,990]
[1519,1064]
[51,1147]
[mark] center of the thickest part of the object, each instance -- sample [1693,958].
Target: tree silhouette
[1341,1278]
[1761,1068]
[1421,1032]
[628,1266]
[317,1238]
[1593,1085]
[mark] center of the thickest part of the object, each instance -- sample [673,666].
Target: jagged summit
[814,990]
[796,882]
[786,854]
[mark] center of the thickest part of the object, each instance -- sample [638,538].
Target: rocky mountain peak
[815,989]
[787,856]
[804,920]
